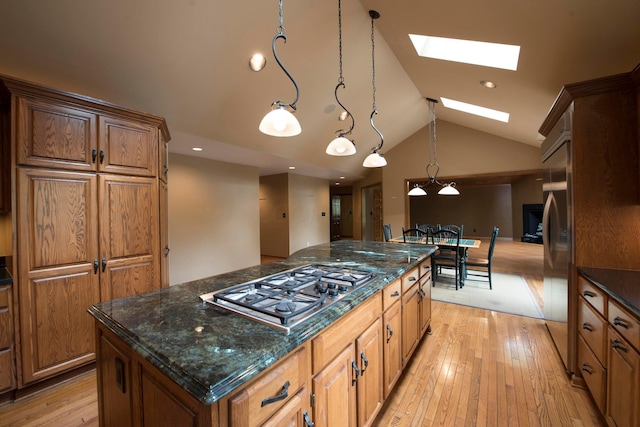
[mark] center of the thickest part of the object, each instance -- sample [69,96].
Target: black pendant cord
[374,15]
[433,156]
[281,35]
[342,132]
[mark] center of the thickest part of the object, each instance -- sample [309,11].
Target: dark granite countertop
[230,350]
[622,285]
[5,277]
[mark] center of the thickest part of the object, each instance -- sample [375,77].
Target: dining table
[464,246]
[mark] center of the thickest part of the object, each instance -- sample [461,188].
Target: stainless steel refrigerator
[557,231]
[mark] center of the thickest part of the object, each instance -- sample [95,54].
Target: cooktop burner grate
[287,298]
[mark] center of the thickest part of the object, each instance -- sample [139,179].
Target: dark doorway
[532,223]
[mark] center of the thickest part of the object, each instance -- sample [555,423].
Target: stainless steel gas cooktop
[286,299]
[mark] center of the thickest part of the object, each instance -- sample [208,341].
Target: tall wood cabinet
[89,218]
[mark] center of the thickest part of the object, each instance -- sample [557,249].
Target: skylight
[475,109]
[467,51]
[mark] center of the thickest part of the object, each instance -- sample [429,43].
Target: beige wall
[461,151]
[214,219]
[291,213]
[274,215]
[374,177]
[308,201]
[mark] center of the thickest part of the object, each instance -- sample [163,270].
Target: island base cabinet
[623,390]
[293,414]
[369,388]
[392,351]
[132,392]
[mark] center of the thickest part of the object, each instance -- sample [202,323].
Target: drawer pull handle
[587,326]
[356,372]
[395,294]
[101,156]
[307,420]
[389,333]
[587,368]
[283,395]
[619,322]
[96,265]
[412,279]
[366,363]
[589,294]
[104,264]
[94,155]
[120,375]
[617,344]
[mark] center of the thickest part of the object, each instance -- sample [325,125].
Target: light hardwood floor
[477,368]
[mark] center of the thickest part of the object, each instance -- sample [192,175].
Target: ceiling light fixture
[257,62]
[197,149]
[375,159]
[341,145]
[448,188]
[280,121]
[494,55]
[476,110]
[488,84]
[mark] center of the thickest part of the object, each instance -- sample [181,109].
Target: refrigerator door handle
[546,228]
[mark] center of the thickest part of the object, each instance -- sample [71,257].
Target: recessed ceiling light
[292,167]
[342,177]
[197,149]
[475,109]
[467,51]
[488,84]
[337,183]
[257,62]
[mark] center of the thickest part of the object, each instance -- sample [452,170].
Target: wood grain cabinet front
[7,366]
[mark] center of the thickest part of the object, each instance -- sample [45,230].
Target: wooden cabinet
[369,388]
[392,346]
[424,299]
[7,366]
[89,225]
[623,381]
[608,352]
[416,307]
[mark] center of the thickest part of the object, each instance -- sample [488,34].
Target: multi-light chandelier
[449,188]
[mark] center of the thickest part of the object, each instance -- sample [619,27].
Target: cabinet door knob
[389,333]
[101,156]
[94,155]
[104,264]
[307,420]
[283,395]
[96,265]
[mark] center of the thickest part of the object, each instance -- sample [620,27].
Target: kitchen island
[167,354]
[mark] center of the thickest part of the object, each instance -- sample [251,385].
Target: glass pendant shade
[417,191]
[280,122]
[341,146]
[374,160]
[448,190]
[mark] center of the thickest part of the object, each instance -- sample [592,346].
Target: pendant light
[341,145]
[375,159]
[280,121]
[448,188]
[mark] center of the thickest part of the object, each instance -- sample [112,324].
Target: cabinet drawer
[593,295]
[259,400]
[5,328]
[409,279]
[593,329]
[594,374]
[390,294]
[5,293]
[425,267]
[6,370]
[625,324]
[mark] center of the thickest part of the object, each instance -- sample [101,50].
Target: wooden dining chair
[413,232]
[386,230]
[427,227]
[449,257]
[482,265]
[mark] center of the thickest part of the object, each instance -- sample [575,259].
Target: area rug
[510,294]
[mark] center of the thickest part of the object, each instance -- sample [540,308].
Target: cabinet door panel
[410,328]
[58,219]
[623,382]
[55,328]
[425,303]
[392,347]
[161,407]
[53,135]
[291,414]
[369,385]
[115,385]
[335,391]
[129,242]
[129,148]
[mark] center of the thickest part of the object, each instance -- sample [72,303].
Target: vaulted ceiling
[186,60]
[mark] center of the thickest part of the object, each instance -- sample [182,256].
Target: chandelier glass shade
[447,188]
[280,121]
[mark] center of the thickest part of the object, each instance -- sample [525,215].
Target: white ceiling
[186,60]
